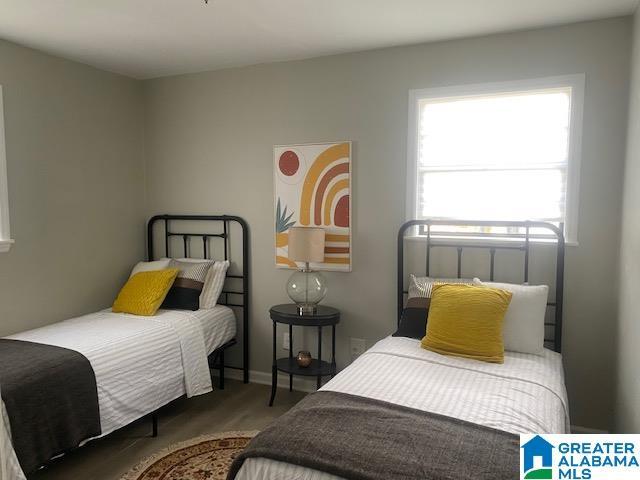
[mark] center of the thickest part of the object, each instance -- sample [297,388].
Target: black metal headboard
[217,227]
[487,241]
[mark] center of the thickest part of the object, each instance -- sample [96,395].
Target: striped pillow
[185,292]
[213,284]
[420,287]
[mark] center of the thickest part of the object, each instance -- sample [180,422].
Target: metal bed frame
[216,359]
[487,241]
[170,229]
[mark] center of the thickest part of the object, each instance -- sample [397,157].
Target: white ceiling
[153,38]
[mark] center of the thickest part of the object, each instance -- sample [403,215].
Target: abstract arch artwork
[312,185]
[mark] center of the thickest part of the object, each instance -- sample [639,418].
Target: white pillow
[523,329]
[213,283]
[150,266]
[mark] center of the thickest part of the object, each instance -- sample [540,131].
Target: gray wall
[628,381]
[76,142]
[76,187]
[209,141]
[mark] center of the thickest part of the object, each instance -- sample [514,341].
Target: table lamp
[306,287]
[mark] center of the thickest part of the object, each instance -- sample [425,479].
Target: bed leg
[221,384]
[154,424]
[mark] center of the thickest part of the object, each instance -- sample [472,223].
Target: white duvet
[140,363]
[526,394]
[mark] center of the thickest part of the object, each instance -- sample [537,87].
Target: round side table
[288,314]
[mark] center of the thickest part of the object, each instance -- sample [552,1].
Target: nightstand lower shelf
[317,368]
[288,314]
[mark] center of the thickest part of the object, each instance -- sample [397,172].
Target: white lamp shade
[306,244]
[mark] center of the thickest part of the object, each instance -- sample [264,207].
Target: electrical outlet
[358,347]
[286,341]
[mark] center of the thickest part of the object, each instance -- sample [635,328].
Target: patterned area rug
[203,458]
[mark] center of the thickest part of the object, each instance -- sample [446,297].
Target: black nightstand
[288,314]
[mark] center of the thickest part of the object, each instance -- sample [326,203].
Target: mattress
[526,394]
[218,326]
[140,363]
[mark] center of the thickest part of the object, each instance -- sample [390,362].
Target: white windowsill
[470,241]
[5,245]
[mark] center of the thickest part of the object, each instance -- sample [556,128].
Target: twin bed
[524,395]
[143,363]
[400,411]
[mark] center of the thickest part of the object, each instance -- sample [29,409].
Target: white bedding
[524,395]
[140,363]
[218,326]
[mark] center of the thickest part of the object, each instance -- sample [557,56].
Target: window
[5,236]
[507,151]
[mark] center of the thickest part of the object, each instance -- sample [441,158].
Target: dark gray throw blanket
[364,439]
[51,398]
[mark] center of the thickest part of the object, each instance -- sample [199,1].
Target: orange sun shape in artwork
[289,163]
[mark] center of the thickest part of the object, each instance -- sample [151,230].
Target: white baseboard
[586,430]
[264,378]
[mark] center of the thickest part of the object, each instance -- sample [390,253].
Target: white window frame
[5,232]
[577,84]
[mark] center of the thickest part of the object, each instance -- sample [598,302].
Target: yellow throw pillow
[466,321]
[144,292]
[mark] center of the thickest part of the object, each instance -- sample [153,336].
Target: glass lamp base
[306,288]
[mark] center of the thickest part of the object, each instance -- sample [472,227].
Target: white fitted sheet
[140,363]
[218,326]
[526,394]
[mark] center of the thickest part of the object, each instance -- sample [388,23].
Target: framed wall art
[312,185]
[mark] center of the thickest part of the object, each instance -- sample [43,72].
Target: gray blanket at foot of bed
[364,439]
[51,399]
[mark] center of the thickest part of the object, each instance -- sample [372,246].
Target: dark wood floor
[238,407]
